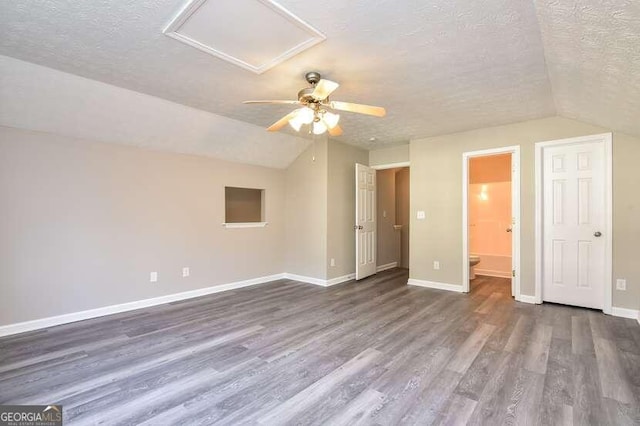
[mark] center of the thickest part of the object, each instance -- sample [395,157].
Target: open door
[365,221]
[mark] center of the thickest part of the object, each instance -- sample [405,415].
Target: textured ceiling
[438,67]
[593,56]
[43,99]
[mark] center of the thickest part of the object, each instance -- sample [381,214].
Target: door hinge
[513,273]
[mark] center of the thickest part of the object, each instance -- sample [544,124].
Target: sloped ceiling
[438,67]
[38,98]
[592,49]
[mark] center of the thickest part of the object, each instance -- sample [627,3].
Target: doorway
[392,211]
[382,227]
[491,216]
[574,221]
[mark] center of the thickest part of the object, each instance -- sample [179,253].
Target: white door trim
[391,165]
[515,211]
[607,139]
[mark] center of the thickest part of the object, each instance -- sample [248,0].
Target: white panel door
[574,207]
[365,221]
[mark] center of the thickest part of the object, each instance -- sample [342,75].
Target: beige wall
[403,212]
[341,207]
[626,219]
[82,224]
[388,239]
[393,155]
[306,213]
[320,210]
[436,187]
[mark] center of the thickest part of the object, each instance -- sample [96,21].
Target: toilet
[473,261]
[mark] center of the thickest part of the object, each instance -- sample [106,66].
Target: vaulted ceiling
[437,66]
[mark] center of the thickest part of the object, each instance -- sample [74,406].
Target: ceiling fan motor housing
[304,95]
[312,77]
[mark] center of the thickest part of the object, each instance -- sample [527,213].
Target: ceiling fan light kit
[315,104]
[319,127]
[330,119]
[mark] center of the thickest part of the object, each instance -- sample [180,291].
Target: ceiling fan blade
[272,102]
[282,122]
[336,131]
[323,89]
[359,108]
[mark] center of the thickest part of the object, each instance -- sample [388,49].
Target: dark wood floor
[372,352]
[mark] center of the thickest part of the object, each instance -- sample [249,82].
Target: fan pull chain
[313,142]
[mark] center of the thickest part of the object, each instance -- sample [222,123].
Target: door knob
[509,229]
[357,227]
[597,234]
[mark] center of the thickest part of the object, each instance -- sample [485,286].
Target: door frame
[391,165]
[387,166]
[607,140]
[515,212]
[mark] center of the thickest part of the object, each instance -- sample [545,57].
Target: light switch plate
[186,272]
[421,215]
[621,284]
[153,277]
[436,264]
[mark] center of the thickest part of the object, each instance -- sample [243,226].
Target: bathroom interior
[489,215]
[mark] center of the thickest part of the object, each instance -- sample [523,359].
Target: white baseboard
[386,266]
[319,281]
[303,279]
[22,327]
[625,313]
[340,280]
[490,273]
[436,285]
[526,299]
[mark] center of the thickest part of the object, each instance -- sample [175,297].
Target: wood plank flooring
[371,352]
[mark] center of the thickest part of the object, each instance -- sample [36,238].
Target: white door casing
[365,228]
[574,223]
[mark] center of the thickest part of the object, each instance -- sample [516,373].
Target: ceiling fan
[315,106]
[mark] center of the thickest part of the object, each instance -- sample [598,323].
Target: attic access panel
[253,34]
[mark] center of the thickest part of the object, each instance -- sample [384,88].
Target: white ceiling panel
[253,34]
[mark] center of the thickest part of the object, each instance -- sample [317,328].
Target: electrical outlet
[185,272]
[153,277]
[420,215]
[621,284]
[436,264]
[333,262]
